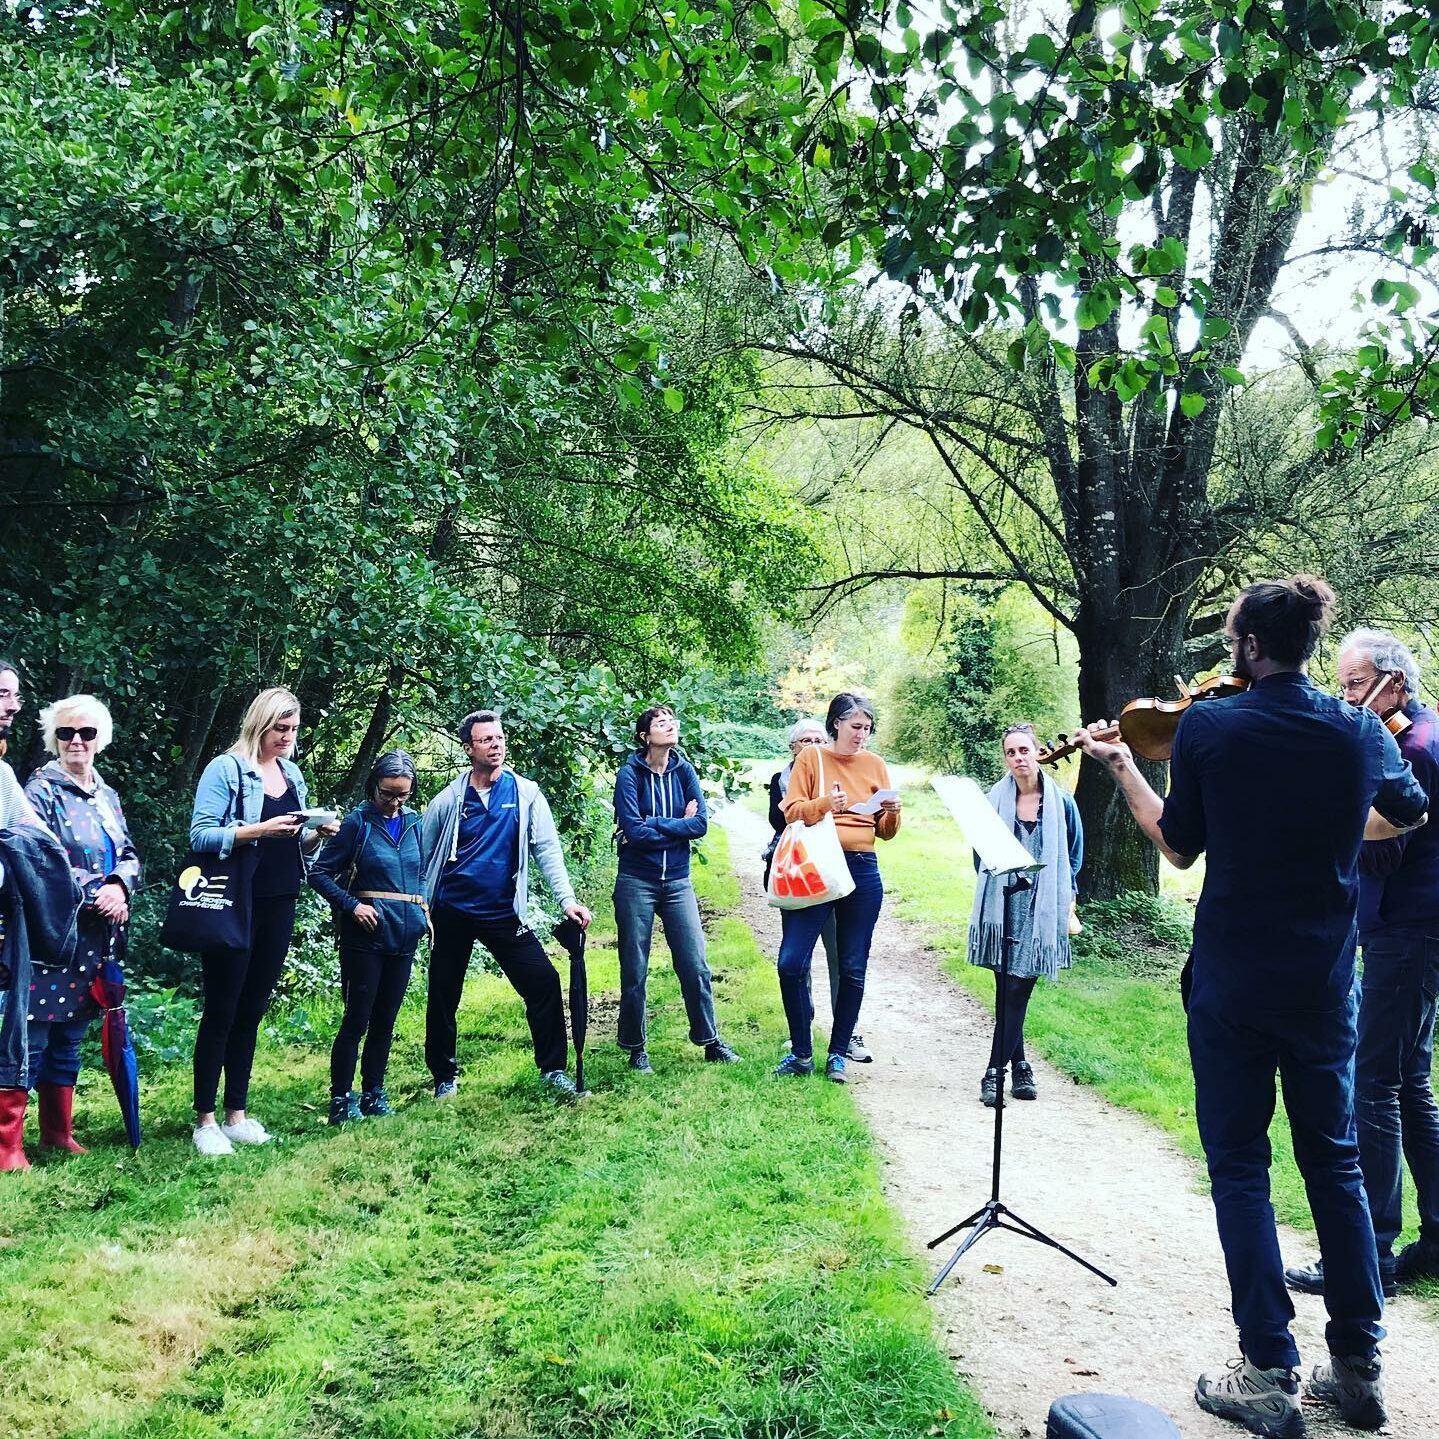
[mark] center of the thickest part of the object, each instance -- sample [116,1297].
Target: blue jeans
[1235,1051]
[55,1051]
[854,918]
[1394,1096]
[637,901]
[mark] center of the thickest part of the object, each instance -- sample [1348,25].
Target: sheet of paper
[872,804]
[314,818]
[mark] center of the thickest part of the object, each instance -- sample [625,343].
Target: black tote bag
[210,899]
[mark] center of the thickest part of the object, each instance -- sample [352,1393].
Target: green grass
[704,1254]
[1121,1034]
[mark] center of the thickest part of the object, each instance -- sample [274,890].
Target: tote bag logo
[204,891]
[192,881]
[795,873]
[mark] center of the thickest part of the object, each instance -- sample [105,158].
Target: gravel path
[1021,1322]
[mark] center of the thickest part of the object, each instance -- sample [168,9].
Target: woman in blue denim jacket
[251,795]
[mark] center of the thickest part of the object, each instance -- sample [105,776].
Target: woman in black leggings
[247,805]
[372,873]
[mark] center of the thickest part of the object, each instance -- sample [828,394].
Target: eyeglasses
[67,732]
[393,796]
[1354,686]
[810,739]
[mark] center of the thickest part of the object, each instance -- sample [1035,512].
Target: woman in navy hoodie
[659,809]
[372,873]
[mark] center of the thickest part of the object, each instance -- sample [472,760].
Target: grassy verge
[702,1254]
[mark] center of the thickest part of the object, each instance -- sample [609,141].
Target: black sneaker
[375,1103]
[718,1052]
[640,1062]
[1021,1084]
[560,1085]
[990,1089]
[1354,1386]
[1265,1401]
[1419,1260]
[343,1108]
[1310,1280]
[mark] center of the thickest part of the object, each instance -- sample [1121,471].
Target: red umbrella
[108,991]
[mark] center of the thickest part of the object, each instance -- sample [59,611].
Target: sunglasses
[67,732]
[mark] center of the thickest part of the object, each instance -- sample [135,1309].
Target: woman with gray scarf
[1045,820]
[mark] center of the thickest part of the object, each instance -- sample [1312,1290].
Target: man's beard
[1241,666]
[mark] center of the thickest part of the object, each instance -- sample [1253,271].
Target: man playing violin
[1278,787]
[1399,934]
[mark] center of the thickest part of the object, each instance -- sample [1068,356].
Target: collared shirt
[1274,786]
[1399,878]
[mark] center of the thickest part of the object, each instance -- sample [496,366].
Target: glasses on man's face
[1359,686]
[67,732]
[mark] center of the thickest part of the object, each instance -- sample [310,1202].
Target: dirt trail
[1097,1178]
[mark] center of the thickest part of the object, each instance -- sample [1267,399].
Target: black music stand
[1016,866]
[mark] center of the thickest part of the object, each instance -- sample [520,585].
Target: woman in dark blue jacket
[658,810]
[372,873]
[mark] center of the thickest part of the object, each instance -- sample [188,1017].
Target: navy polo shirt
[1274,787]
[481,882]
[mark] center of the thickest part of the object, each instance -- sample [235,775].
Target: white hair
[1387,654]
[802,727]
[77,710]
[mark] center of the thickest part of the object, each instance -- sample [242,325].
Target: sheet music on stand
[1002,856]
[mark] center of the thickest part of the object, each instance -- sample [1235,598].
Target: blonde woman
[82,811]
[249,796]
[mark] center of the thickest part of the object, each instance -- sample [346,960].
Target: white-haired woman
[249,796]
[802,734]
[83,813]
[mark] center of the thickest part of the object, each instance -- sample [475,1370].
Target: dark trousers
[1008,1048]
[373,985]
[525,964]
[238,987]
[1236,1049]
[855,917]
[55,1051]
[1394,1093]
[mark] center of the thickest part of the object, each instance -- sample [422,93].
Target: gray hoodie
[441,836]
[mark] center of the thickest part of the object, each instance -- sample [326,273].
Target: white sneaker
[247,1131]
[210,1141]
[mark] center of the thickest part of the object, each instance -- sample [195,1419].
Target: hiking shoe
[990,1092]
[210,1141]
[1310,1279]
[446,1089]
[857,1051]
[246,1131]
[1354,1386]
[793,1067]
[1419,1260]
[640,1062]
[375,1103]
[1265,1401]
[1021,1082]
[834,1069]
[560,1085]
[718,1052]
[344,1107]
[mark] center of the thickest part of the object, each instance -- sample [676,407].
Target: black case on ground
[1107,1416]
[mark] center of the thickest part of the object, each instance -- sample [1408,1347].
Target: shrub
[1144,935]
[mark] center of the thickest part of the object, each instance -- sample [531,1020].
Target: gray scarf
[1053,888]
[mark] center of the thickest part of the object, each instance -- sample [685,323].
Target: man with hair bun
[1399,934]
[1278,787]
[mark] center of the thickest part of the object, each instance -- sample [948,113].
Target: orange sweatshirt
[858,775]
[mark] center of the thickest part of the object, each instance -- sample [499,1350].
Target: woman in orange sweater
[829,779]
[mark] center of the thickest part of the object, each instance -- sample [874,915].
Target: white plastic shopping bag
[809,865]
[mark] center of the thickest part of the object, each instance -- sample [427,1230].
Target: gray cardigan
[441,836]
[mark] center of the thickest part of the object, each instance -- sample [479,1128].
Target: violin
[1394,720]
[1147,726]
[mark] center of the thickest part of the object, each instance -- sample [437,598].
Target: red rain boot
[12,1128]
[57,1123]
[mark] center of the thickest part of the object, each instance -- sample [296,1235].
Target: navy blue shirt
[1399,878]
[1274,786]
[481,882]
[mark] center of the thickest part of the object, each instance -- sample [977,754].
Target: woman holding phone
[253,794]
